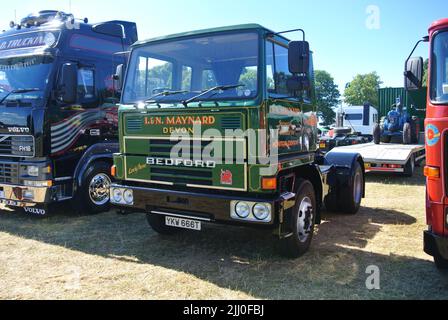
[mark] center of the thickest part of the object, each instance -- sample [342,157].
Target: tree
[363,88]
[327,96]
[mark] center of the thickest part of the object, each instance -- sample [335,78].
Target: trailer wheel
[441,263]
[302,222]
[414,131]
[409,168]
[407,133]
[377,134]
[157,223]
[94,194]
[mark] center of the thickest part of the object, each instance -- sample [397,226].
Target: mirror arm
[288,31]
[425,39]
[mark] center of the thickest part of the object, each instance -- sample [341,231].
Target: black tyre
[409,168]
[386,139]
[94,194]
[157,223]
[348,199]
[407,133]
[377,134]
[414,132]
[441,263]
[301,222]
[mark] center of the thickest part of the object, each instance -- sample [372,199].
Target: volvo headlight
[262,211]
[32,171]
[242,209]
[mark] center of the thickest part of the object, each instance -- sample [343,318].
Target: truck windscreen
[185,68]
[24,79]
[439,69]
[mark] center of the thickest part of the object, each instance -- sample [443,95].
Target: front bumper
[15,196]
[436,245]
[212,208]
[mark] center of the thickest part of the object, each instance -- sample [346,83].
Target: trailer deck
[387,157]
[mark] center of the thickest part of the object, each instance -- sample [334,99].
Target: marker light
[432,172]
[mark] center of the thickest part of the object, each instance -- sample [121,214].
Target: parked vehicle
[436,128]
[58,110]
[254,83]
[354,125]
[397,123]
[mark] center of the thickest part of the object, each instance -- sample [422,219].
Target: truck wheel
[94,194]
[377,134]
[348,199]
[414,132]
[407,133]
[441,263]
[409,168]
[157,223]
[302,222]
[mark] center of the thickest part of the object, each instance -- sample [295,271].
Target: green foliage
[327,96]
[362,89]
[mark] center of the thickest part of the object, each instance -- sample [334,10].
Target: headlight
[242,209]
[117,195]
[32,171]
[128,196]
[261,211]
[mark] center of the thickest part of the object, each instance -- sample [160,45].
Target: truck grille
[17,146]
[9,173]
[201,176]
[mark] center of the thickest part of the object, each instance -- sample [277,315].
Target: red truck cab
[436,129]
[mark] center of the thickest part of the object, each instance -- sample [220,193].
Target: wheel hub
[305,221]
[99,189]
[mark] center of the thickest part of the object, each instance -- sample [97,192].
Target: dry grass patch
[115,257]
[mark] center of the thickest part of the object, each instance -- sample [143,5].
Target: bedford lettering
[180,162]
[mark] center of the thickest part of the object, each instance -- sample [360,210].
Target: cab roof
[251,26]
[438,24]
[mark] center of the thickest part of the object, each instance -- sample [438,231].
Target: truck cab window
[186,78]
[277,69]
[86,84]
[208,79]
[439,76]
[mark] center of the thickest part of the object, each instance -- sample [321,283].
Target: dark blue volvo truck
[58,110]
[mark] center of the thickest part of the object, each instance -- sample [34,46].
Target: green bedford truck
[220,126]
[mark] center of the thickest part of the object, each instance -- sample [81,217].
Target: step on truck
[220,126]
[436,128]
[58,110]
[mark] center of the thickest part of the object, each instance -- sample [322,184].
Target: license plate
[183,223]
[323,145]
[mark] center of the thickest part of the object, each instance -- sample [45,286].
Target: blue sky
[345,35]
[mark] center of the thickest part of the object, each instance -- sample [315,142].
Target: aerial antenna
[70,6]
[15,16]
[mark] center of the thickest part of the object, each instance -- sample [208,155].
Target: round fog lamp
[261,211]
[118,195]
[242,209]
[128,196]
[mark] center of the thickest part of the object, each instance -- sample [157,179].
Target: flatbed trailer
[390,158]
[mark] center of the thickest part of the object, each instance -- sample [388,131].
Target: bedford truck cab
[58,109]
[220,126]
[436,127]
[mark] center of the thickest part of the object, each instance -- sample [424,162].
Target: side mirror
[68,83]
[299,57]
[413,74]
[119,76]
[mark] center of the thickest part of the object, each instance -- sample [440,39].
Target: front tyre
[94,194]
[407,133]
[377,134]
[302,222]
[441,264]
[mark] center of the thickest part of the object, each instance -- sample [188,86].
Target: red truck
[436,130]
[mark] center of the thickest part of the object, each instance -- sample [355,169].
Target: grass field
[109,256]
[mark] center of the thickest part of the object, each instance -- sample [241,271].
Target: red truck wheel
[441,263]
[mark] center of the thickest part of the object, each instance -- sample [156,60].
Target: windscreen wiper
[18,91]
[165,94]
[223,88]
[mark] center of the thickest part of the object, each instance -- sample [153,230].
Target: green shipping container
[414,101]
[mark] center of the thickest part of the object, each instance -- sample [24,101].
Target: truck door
[76,126]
